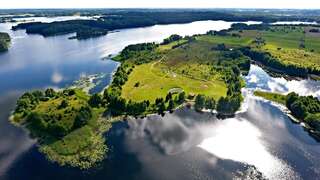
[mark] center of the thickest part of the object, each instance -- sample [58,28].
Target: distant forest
[119,19]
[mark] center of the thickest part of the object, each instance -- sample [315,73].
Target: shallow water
[182,145]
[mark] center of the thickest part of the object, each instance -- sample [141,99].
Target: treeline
[4,41]
[267,60]
[239,27]
[243,26]
[228,105]
[84,29]
[116,105]
[171,39]
[132,19]
[204,102]
[305,108]
[138,57]
[232,64]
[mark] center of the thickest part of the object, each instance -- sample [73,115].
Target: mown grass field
[189,67]
[155,82]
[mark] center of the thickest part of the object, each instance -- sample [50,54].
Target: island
[4,41]
[202,72]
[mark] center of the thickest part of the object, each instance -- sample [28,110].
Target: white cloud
[160,4]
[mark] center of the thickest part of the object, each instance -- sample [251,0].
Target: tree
[229,105]
[236,70]
[158,101]
[168,97]
[313,120]
[36,121]
[298,109]
[170,39]
[181,97]
[210,103]
[23,105]
[50,93]
[171,105]
[71,92]
[37,94]
[117,106]
[291,98]
[221,47]
[82,117]
[200,102]
[95,100]
[161,108]
[63,104]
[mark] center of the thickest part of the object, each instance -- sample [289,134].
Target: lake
[183,145]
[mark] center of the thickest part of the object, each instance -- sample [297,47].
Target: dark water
[182,145]
[189,145]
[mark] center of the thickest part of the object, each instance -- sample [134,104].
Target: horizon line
[83,8]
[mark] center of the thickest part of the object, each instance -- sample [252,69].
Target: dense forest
[306,108]
[111,20]
[4,41]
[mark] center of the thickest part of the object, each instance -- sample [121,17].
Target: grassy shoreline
[295,104]
[275,97]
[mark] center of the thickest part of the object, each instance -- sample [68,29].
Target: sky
[288,4]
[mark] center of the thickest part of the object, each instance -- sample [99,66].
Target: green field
[279,98]
[155,82]
[290,45]
[190,68]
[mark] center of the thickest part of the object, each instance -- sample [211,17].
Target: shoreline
[313,132]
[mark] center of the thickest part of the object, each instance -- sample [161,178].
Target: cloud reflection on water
[259,79]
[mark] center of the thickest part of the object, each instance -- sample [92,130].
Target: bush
[95,100]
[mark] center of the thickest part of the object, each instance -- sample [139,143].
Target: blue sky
[300,4]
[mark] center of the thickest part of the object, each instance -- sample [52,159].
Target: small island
[4,41]
[66,124]
[203,72]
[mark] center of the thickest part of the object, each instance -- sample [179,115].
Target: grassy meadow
[189,67]
[276,97]
[290,44]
